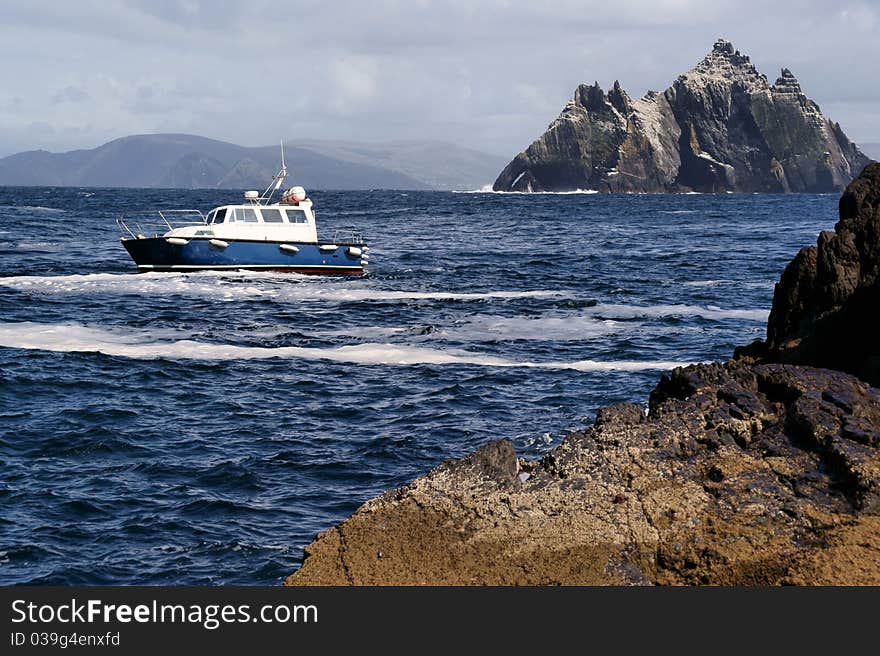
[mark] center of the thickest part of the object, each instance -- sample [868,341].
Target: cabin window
[296,216]
[219,216]
[245,215]
[271,216]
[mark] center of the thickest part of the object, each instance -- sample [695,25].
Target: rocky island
[720,127]
[761,470]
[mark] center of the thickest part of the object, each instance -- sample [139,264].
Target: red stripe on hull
[337,272]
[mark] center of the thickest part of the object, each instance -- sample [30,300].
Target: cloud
[70,94]
[489,74]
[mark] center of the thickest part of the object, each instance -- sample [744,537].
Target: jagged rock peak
[787,83]
[724,63]
[591,97]
[724,50]
[723,46]
[620,99]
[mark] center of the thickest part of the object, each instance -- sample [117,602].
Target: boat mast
[276,183]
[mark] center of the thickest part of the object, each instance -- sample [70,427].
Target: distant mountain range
[193,162]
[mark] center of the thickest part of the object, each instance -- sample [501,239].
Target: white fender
[177,241]
[290,248]
[219,243]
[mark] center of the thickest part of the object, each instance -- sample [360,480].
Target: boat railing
[155,223]
[346,234]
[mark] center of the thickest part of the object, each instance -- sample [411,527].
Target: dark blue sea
[202,428]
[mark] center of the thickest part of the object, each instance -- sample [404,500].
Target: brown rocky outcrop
[748,472]
[737,475]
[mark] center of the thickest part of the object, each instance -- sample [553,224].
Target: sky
[484,74]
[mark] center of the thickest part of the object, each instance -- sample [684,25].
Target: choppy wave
[75,338]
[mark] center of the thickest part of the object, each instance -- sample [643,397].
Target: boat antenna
[277,181]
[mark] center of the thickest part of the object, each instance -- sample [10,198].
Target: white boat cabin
[276,222]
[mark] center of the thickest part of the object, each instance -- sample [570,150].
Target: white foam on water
[549,328]
[38,245]
[732,283]
[707,283]
[74,338]
[659,311]
[33,208]
[372,332]
[219,285]
[492,328]
[678,211]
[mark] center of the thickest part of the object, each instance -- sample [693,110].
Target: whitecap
[32,208]
[680,310]
[707,283]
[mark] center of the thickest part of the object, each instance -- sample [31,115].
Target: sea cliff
[719,127]
[761,470]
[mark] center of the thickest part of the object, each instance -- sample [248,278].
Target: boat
[256,235]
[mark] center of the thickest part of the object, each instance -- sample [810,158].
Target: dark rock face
[720,127]
[826,306]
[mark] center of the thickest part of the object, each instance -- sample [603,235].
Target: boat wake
[75,338]
[226,286]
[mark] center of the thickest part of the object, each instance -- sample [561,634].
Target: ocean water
[201,428]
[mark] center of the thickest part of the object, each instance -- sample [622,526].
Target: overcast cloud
[490,74]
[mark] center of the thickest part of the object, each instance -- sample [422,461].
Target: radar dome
[294,195]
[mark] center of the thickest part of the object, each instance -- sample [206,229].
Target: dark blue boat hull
[157,254]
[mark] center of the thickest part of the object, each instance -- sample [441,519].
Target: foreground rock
[738,475]
[751,472]
[720,127]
